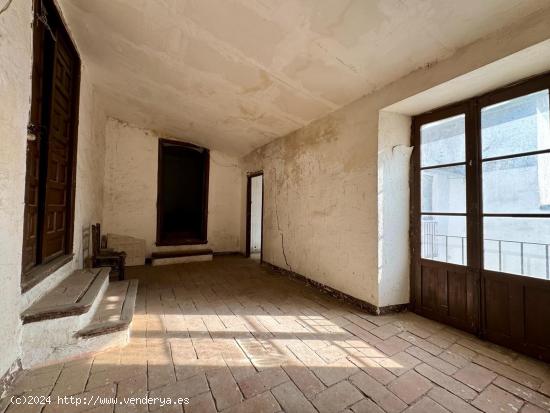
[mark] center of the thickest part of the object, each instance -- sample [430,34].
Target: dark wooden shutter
[59,150]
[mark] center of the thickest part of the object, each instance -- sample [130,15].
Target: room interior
[286,206]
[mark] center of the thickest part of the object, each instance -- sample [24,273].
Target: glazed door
[445,282]
[481,216]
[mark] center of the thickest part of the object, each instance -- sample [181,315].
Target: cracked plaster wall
[130,192]
[328,213]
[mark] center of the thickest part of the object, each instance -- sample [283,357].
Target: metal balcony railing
[431,245]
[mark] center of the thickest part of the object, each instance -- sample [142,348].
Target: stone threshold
[363,305]
[181,256]
[181,253]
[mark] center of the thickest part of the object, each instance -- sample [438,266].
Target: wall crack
[6,6]
[280,230]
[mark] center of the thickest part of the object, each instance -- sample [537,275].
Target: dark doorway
[52,143]
[254,215]
[481,216]
[182,208]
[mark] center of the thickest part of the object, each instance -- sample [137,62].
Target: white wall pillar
[394,154]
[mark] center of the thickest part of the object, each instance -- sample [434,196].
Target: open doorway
[254,215]
[182,207]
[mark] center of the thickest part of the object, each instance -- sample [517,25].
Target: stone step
[115,312]
[74,296]
[181,256]
[78,318]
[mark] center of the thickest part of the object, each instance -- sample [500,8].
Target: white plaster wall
[394,152]
[90,162]
[323,214]
[256,214]
[15,92]
[130,192]
[320,201]
[15,89]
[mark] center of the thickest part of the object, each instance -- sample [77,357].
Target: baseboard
[363,305]
[9,377]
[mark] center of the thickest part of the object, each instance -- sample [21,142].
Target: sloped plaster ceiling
[233,75]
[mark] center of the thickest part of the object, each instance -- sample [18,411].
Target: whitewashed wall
[394,152]
[131,190]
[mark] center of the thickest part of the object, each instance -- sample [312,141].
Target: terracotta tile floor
[230,335]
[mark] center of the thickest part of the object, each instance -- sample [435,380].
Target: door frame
[516,287]
[249,213]
[203,238]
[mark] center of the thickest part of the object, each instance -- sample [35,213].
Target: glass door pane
[517,185]
[517,245]
[515,126]
[442,142]
[444,189]
[444,238]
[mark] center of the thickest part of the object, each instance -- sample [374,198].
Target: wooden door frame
[203,239]
[249,213]
[476,272]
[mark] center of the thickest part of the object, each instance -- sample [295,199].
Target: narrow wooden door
[59,147]
[445,279]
